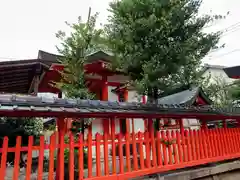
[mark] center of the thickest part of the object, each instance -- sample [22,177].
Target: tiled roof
[186,97]
[10,105]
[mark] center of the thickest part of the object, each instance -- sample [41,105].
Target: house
[35,75]
[193,96]
[215,72]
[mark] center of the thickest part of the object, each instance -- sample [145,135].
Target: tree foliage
[218,90]
[75,48]
[24,127]
[160,44]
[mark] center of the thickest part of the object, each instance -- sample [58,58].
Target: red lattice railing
[125,157]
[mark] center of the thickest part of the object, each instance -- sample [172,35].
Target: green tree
[235,91]
[160,44]
[219,90]
[19,126]
[75,48]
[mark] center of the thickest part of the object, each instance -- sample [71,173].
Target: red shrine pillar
[204,125]
[181,126]
[127,120]
[224,123]
[61,129]
[105,122]
[144,101]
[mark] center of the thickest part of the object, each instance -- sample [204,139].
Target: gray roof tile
[61,106]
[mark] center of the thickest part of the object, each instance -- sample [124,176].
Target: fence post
[29,158]
[71,157]
[98,155]
[17,158]
[81,158]
[4,158]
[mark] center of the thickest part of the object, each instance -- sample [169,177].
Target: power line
[225,54]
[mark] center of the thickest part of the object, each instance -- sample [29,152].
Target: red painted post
[140,136]
[71,157]
[181,126]
[41,158]
[231,142]
[219,142]
[113,138]
[169,147]
[224,123]
[147,149]
[61,125]
[106,168]
[51,156]
[89,145]
[204,125]
[184,147]
[204,141]
[224,144]
[165,158]
[235,140]
[29,158]
[4,158]
[159,152]
[193,146]
[98,155]
[154,155]
[120,150]
[200,144]
[135,159]
[179,146]
[195,134]
[189,150]
[61,153]
[216,142]
[208,143]
[175,155]
[212,143]
[127,145]
[81,158]
[105,122]
[17,158]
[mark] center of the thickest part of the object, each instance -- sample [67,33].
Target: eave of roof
[185,97]
[29,106]
[232,72]
[209,66]
[54,58]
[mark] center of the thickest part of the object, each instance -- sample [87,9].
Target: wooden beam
[15,75]
[36,84]
[14,85]
[17,65]
[14,71]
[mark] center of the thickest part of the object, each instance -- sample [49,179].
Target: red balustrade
[132,155]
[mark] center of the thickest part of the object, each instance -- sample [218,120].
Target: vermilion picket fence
[128,156]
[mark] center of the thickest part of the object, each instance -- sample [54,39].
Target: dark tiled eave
[14,105]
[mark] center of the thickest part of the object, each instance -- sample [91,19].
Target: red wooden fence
[125,157]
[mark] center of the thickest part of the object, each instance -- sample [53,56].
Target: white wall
[112,96]
[138,123]
[216,73]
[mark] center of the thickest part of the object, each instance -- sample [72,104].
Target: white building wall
[138,122]
[216,73]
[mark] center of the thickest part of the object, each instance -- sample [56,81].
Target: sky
[30,25]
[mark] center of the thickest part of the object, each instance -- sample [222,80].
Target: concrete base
[223,171]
